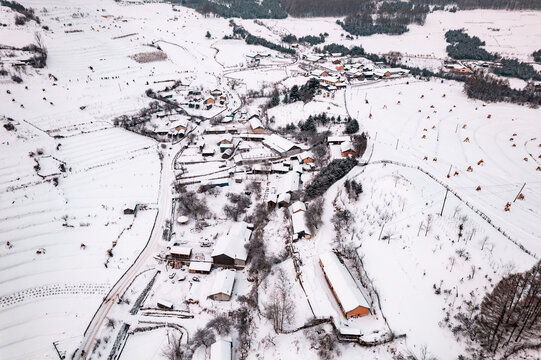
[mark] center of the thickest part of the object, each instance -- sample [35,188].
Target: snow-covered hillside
[89,209]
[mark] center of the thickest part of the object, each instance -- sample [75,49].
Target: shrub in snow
[352,126]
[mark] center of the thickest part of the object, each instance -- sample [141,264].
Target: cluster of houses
[342,143]
[337,74]
[229,254]
[196,99]
[168,125]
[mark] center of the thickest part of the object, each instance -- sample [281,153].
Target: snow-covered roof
[226,137]
[200,266]
[272,197]
[298,206]
[304,155]
[255,123]
[298,222]
[344,287]
[392,71]
[220,350]
[346,146]
[280,167]
[338,138]
[317,72]
[290,182]
[284,197]
[181,250]
[279,144]
[178,120]
[223,283]
[232,244]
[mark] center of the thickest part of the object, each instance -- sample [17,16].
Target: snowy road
[151,248]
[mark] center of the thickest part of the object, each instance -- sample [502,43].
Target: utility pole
[60,356]
[444,200]
[381,232]
[449,172]
[397,140]
[519,191]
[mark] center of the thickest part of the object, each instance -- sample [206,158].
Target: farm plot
[55,239]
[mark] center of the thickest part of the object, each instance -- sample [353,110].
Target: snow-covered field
[67,174]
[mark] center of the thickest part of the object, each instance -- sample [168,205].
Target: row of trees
[518,69]
[245,9]
[488,88]
[388,18]
[308,39]
[27,14]
[341,49]
[386,14]
[330,174]
[240,32]
[256,40]
[304,93]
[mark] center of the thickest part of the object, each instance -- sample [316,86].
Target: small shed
[198,267]
[272,199]
[180,252]
[183,220]
[338,139]
[300,230]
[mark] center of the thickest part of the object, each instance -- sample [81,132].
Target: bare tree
[191,204]
[324,342]
[174,349]
[281,308]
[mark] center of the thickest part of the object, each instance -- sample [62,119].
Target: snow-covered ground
[67,173]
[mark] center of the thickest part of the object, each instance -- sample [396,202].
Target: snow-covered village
[277,179]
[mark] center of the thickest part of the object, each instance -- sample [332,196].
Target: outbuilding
[221,350]
[198,267]
[180,252]
[346,292]
[297,206]
[300,230]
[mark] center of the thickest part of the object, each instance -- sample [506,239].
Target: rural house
[229,249]
[346,149]
[222,288]
[256,125]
